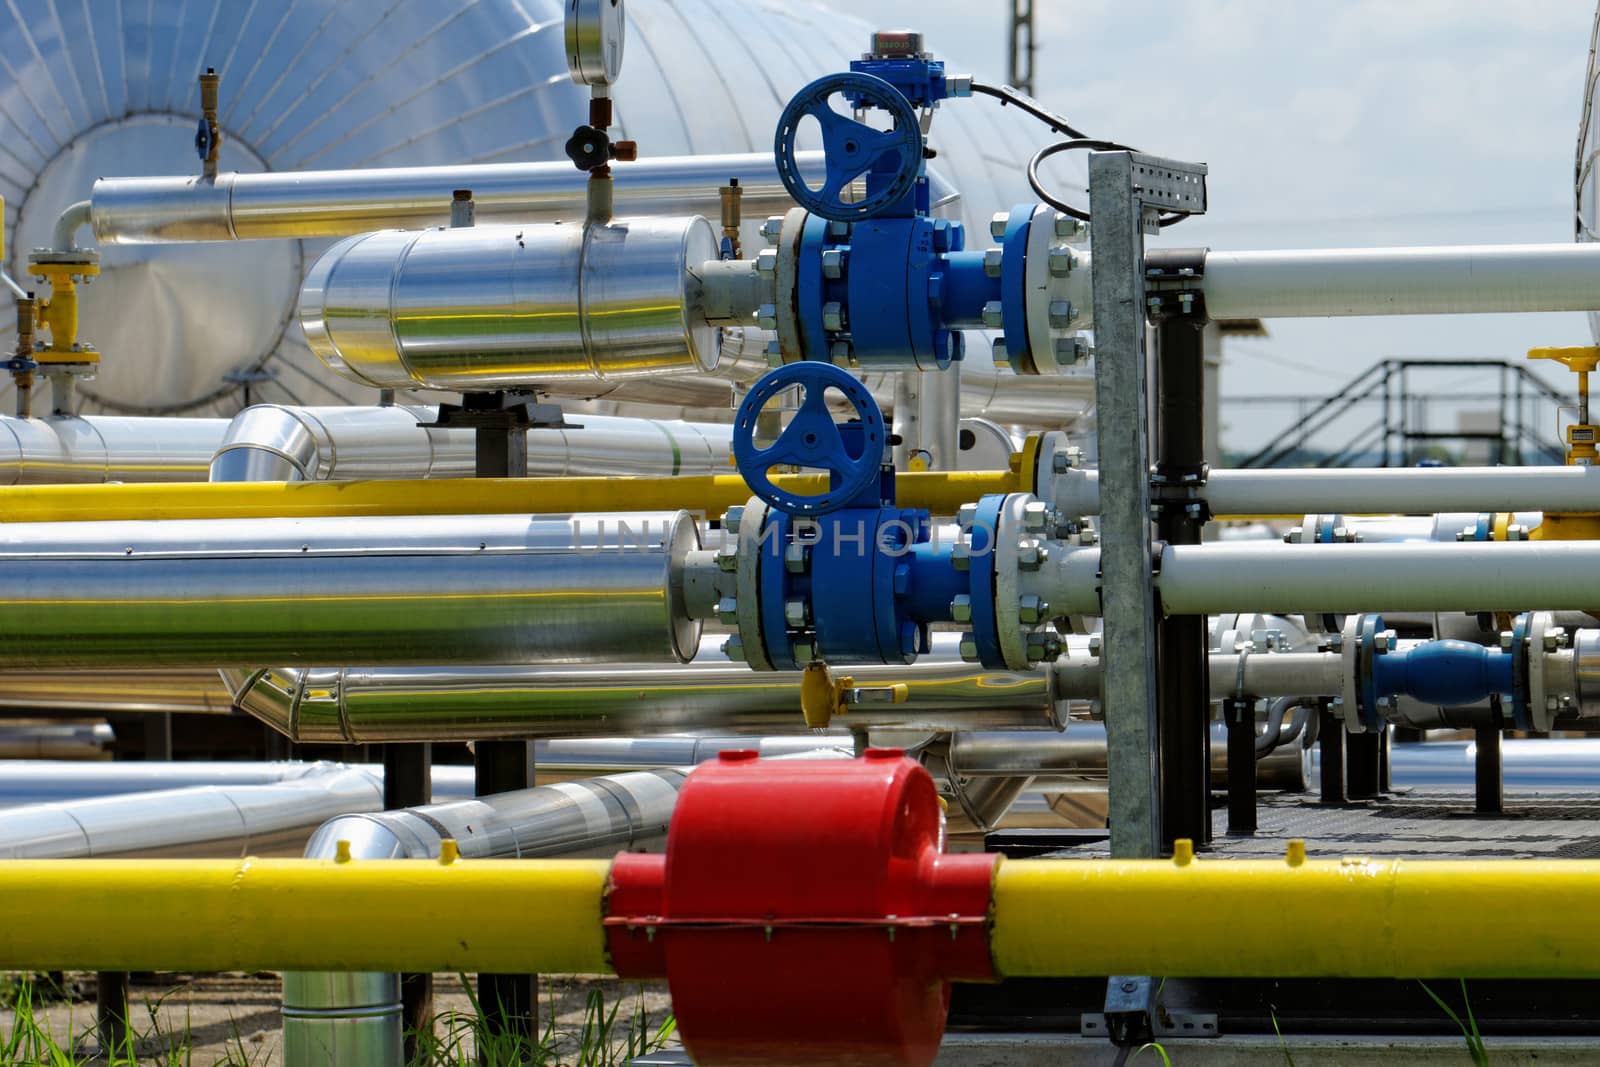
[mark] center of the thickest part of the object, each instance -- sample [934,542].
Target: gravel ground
[232,1019]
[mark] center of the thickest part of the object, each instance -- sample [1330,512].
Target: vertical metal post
[111,1013]
[158,736]
[1019,68]
[408,783]
[1240,716]
[1363,770]
[1488,767]
[1127,592]
[509,1002]
[1332,753]
[1127,191]
[1183,683]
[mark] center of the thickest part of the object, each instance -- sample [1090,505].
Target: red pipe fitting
[805,912]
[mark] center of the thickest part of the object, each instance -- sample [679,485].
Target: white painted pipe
[1373,491]
[1460,280]
[1271,577]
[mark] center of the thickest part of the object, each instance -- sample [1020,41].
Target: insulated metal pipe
[942,492]
[337,203]
[482,308]
[495,589]
[1470,279]
[368,704]
[205,820]
[279,443]
[33,781]
[1377,491]
[106,448]
[27,742]
[100,692]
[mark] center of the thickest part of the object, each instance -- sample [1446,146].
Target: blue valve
[894,157]
[812,439]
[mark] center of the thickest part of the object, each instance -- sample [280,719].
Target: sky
[1333,124]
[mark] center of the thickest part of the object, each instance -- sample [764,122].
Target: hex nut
[994,315]
[961,608]
[992,262]
[833,263]
[997,225]
[832,316]
[728,611]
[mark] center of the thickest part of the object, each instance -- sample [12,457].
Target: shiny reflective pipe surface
[206,820]
[368,704]
[404,589]
[338,203]
[106,448]
[280,443]
[494,307]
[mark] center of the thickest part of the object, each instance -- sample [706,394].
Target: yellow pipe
[941,492]
[1289,918]
[307,915]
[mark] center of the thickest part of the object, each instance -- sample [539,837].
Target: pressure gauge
[594,41]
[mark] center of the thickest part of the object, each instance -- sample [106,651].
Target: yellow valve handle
[820,695]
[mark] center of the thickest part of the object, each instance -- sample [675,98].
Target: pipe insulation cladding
[387,704]
[381,590]
[497,307]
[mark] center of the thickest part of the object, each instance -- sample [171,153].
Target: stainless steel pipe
[338,203]
[90,742]
[370,704]
[1470,279]
[497,307]
[207,820]
[1255,674]
[36,781]
[99,692]
[1378,491]
[467,589]
[106,448]
[279,443]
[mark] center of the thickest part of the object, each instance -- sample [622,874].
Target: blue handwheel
[850,147]
[812,439]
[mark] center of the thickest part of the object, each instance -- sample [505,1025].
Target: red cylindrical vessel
[804,912]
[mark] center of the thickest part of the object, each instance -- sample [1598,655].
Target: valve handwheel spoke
[850,148]
[811,439]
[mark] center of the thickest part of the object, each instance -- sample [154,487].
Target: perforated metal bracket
[1168,186]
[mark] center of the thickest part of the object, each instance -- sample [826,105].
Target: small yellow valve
[1582,436]
[822,696]
[59,312]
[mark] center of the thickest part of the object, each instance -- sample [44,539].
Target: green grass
[603,1040]
[607,1036]
[1469,1028]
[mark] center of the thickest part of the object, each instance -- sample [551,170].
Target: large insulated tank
[1587,196]
[100,90]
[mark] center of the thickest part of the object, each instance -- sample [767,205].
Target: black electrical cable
[1080,140]
[1089,144]
[1008,95]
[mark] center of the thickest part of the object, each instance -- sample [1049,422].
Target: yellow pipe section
[306,915]
[1296,918]
[941,492]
